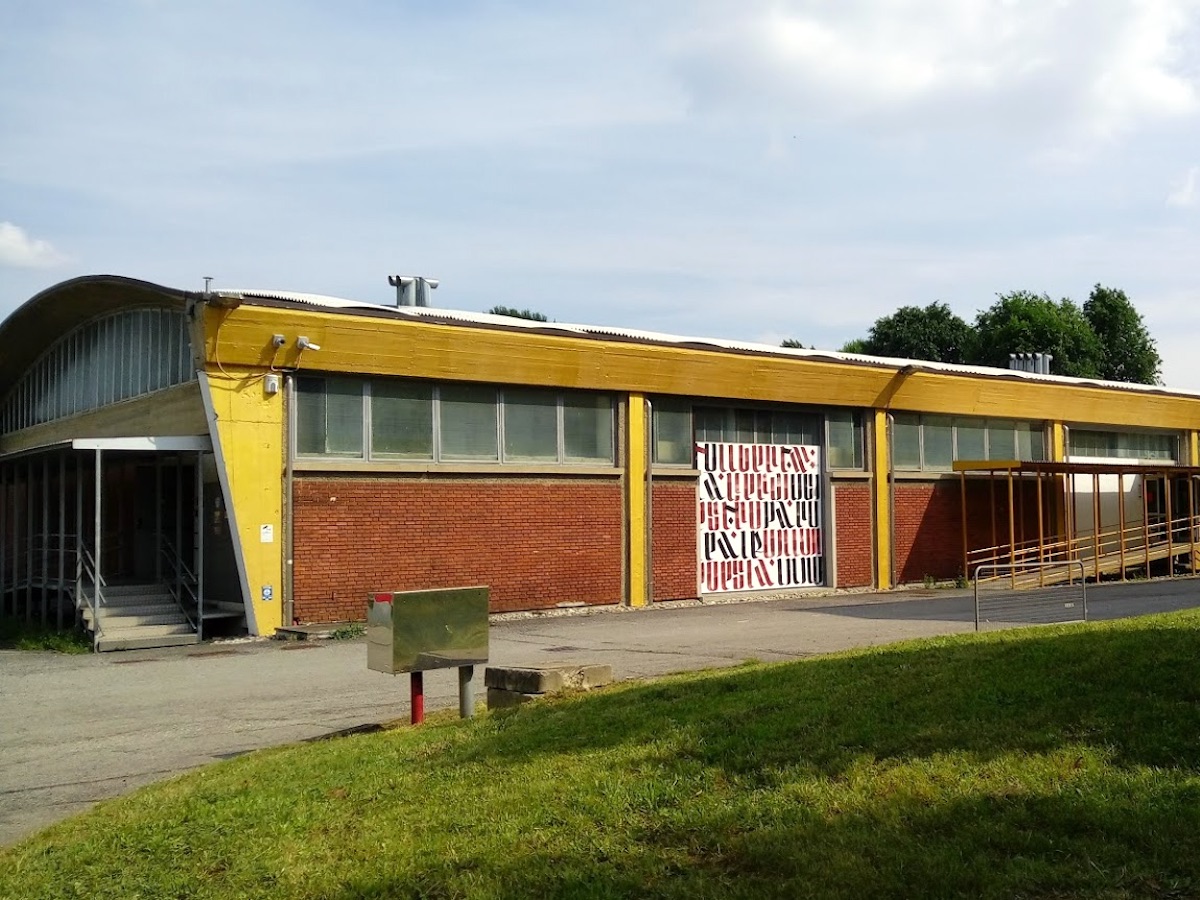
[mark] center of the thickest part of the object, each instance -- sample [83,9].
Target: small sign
[266,534]
[268,592]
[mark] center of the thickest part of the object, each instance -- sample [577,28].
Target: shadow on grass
[1132,690]
[1100,841]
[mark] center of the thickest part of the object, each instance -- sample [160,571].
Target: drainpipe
[649,431]
[289,394]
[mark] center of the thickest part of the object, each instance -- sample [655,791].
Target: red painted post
[417,681]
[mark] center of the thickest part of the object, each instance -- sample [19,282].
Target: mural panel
[760,517]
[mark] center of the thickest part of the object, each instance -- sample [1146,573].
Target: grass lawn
[18,634]
[1049,762]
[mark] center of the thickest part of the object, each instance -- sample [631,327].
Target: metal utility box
[414,631]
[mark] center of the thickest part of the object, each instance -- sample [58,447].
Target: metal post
[416,685]
[158,518]
[1096,525]
[97,534]
[1146,525]
[62,538]
[466,692]
[1121,517]
[1012,534]
[5,504]
[962,494]
[177,556]
[1191,519]
[1167,491]
[78,533]
[199,545]
[648,431]
[1041,534]
[45,523]
[29,541]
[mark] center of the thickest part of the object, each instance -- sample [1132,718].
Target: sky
[743,169]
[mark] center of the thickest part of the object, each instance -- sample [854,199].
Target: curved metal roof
[48,315]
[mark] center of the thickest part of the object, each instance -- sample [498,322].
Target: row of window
[934,442]
[391,419]
[1124,444]
[678,426]
[411,420]
[114,358]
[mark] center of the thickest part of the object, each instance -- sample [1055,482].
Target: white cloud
[18,249]
[1187,194]
[1078,69]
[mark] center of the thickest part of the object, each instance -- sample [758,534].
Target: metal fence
[1007,594]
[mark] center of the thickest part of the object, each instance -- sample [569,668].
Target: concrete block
[546,679]
[502,699]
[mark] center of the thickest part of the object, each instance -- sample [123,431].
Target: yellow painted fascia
[246,426]
[636,444]
[882,500]
[369,345]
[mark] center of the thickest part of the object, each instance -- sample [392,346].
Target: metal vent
[1038,363]
[412,290]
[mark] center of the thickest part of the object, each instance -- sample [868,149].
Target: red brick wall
[929,523]
[854,543]
[676,565]
[535,542]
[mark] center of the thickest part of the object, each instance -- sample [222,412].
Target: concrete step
[110,622]
[136,598]
[134,639]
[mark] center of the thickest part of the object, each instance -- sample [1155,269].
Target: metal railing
[1053,604]
[182,584]
[1127,547]
[89,588]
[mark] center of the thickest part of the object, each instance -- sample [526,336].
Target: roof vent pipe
[1037,363]
[412,290]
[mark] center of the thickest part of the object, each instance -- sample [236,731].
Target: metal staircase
[137,616]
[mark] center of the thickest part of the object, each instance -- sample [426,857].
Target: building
[176,464]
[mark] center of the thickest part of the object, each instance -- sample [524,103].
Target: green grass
[18,634]
[1052,762]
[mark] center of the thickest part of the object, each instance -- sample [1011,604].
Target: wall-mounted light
[305,344]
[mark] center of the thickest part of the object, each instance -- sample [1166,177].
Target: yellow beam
[372,345]
[246,425]
[1194,448]
[883,501]
[636,444]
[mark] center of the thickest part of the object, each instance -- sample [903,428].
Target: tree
[518,313]
[1024,322]
[793,344]
[911,332]
[1127,352]
[856,345]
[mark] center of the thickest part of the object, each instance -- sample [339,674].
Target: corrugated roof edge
[654,337]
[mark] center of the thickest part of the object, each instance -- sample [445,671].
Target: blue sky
[747,170]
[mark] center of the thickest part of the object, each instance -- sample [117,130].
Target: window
[468,422]
[1124,444]
[414,420]
[845,429]
[673,432]
[757,426]
[401,420]
[117,357]
[934,442]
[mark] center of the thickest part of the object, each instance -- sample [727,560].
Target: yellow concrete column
[636,446]
[881,457]
[246,426]
[1058,442]
[1193,448]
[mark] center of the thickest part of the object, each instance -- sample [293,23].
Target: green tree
[1127,352]
[856,345]
[518,313]
[1024,322]
[793,344]
[933,332]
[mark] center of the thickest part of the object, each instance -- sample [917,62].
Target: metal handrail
[182,579]
[997,568]
[85,565]
[1108,542]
